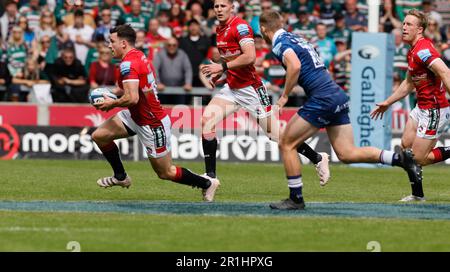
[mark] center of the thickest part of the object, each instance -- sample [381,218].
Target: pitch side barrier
[63,131]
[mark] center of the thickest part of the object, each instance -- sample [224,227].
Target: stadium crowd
[64,43]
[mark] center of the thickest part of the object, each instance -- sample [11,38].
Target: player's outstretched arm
[403,90]
[293,66]
[440,69]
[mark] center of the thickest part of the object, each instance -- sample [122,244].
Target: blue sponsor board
[371,82]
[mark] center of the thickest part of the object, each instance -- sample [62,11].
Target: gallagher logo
[9,142]
[368,52]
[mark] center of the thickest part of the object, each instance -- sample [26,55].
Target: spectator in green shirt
[16,57]
[340,32]
[304,27]
[136,19]
[16,51]
[298,6]
[117,12]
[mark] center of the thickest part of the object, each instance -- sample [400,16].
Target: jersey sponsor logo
[230,54]
[424,54]
[125,68]
[243,29]
[368,52]
[418,78]
[342,107]
[433,124]
[263,96]
[160,138]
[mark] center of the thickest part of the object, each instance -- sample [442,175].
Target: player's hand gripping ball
[211,82]
[96,95]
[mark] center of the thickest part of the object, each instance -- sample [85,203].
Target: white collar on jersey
[275,36]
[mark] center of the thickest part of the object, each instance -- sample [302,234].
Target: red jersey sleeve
[243,33]
[128,70]
[426,54]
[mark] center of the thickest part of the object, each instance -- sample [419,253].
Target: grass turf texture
[51,180]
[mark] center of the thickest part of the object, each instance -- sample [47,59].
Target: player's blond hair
[423,18]
[271,20]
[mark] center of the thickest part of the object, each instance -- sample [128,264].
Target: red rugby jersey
[136,67]
[429,87]
[230,37]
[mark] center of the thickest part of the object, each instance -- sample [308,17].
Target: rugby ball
[96,95]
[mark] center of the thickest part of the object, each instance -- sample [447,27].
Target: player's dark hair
[271,20]
[125,32]
[423,18]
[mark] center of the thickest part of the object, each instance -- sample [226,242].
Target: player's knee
[284,144]
[100,136]
[97,136]
[207,126]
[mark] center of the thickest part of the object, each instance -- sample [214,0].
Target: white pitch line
[50,229]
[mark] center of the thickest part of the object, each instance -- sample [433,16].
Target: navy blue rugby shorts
[330,110]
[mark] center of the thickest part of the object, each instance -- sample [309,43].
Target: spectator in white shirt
[80,34]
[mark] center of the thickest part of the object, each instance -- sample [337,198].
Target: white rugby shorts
[255,100]
[155,140]
[430,122]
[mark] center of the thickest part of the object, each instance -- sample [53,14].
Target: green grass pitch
[58,181]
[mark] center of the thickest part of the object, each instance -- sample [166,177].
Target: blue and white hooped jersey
[314,77]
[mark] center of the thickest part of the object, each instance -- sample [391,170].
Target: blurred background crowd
[63,44]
